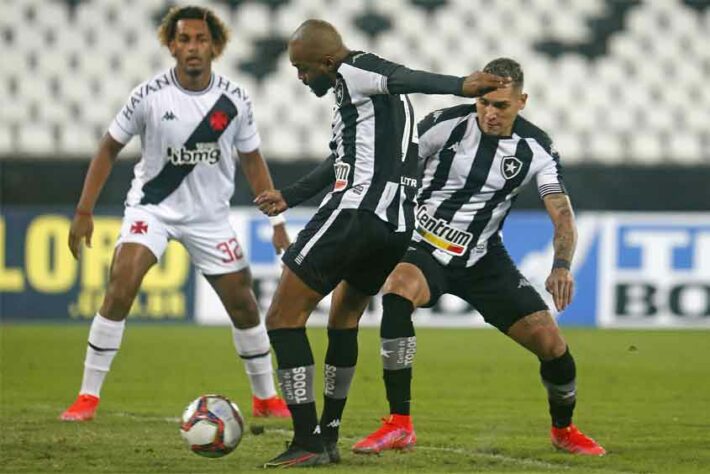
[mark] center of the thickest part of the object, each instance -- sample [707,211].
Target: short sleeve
[366,74]
[549,178]
[440,126]
[246,138]
[431,137]
[130,120]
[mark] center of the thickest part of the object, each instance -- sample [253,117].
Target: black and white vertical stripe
[374,134]
[470,180]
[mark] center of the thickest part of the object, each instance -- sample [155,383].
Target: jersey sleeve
[366,74]
[440,126]
[431,138]
[247,138]
[369,74]
[549,178]
[130,120]
[311,184]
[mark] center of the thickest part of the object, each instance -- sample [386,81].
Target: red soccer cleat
[573,441]
[396,432]
[83,409]
[269,407]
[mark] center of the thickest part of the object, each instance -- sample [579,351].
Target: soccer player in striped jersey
[361,229]
[476,159]
[189,120]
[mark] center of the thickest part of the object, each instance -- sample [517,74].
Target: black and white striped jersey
[470,181]
[374,143]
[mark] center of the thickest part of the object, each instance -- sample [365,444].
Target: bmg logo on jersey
[659,272]
[209,153]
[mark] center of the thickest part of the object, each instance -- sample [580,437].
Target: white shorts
[213,246]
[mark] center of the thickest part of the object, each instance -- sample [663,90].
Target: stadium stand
[614,81]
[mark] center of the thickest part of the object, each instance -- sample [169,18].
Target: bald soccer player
[361,229]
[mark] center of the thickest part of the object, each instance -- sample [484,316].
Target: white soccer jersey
[186,170]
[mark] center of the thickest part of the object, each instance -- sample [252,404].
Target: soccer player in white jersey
[189,120]
[477,159]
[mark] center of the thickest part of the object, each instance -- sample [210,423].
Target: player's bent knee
[281,316]
[550,344]
[539,333]
[244,312]
[406,281]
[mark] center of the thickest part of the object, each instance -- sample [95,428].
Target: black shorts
[493,286]
[346,244]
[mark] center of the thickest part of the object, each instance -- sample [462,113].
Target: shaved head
[317,39]
[316,51]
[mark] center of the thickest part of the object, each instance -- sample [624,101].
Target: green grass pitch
[478,402]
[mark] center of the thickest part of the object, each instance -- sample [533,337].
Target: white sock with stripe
[104,341]
[253,348]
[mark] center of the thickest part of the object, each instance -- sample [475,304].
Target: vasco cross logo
[510,166]
[139,227]
[218,120]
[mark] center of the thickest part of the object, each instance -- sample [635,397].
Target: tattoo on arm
[565,239]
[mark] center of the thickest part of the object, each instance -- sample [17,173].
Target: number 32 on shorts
[231,249]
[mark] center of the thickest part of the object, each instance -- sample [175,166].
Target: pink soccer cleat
[269,407]
[396,432]
[573,441]
[83,409]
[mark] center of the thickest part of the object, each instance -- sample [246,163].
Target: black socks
[295,374]
[340,360]
[398,345]
[558,376]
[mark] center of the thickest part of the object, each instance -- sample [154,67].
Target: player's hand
[480,83]
[560,284]
[280,238]
[271,202]
[82,227]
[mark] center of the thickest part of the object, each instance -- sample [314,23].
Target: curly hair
[218,30]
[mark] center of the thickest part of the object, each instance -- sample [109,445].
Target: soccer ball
[212,426]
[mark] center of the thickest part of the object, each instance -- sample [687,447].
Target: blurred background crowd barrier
[620,86]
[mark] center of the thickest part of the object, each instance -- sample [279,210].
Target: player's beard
[194,71]
[320,85]
[196,68]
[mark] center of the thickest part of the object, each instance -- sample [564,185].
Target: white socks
[253,347]
[105,337]
[104,341]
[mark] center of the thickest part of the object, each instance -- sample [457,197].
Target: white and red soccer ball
[212,426]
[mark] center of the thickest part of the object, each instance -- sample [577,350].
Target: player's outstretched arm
[82,226]
[405,81]
[560,283]
[480,83]
[275,202]
[257,174]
